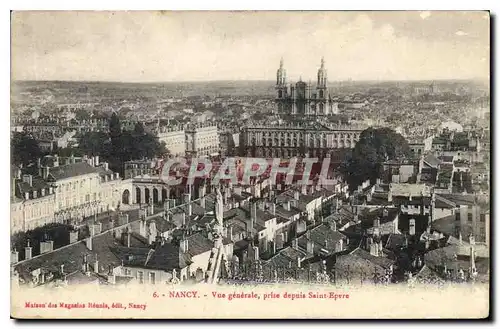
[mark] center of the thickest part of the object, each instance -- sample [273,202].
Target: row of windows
[73,185]
[38,210]
[301,135]
[140,276]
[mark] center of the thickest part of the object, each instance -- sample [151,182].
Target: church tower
[281,87]
[322,90]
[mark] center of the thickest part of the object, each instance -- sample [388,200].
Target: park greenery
[374,147]
[115,147]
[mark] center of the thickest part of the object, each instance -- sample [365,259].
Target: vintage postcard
[249,165]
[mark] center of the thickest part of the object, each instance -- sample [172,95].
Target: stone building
[299,138]
[302,98]
[202,140]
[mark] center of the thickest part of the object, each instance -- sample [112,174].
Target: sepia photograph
[250,165]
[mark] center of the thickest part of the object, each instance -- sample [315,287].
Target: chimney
[385,213]
[310,247]
[472,259]
[129,235]
[62,269]
[296,195]
[187,197]
[46,247]
[286,205]
[341,245]
[273,209]
[45,172]
[253,211]
[202,195]
[333,225]
[28,179]
[376,227]
[295,243]
[96,160]
[256,253]
[184,245]
[183,219]
[230,233]
[85,265]
[412,226]
[142,227]
[472,240]
[373,247]
[304,189]
[96,264]
[28,251]
[88,242]
[298,261]
[111,275]
[14,257]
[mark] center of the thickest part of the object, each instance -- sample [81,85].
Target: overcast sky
[189,46]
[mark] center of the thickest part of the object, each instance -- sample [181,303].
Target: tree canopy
[119,146]
[24,149]
[59,233]
[374,147]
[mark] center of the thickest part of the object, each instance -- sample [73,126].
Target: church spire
[322,62]
[281,63]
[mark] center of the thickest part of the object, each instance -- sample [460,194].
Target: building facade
[202,140]
[174,139]
[298,138]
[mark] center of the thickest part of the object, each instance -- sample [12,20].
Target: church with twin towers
[303,98]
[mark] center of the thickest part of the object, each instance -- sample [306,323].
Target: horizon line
[248,80]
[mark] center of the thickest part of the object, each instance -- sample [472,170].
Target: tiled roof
[199,244]
[321,235]
[459,199]
[360,261]
[432,161]
[71,170]
[442,202]
[457,256]
[38,183]
[428,276]
[396,241]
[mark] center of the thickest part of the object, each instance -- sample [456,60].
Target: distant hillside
[88,91]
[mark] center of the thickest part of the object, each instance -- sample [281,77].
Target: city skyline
[215,46]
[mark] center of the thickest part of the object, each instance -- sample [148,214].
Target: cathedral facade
[303,98]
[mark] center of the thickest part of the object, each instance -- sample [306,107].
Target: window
[469,217]
[152,278]
[140,277]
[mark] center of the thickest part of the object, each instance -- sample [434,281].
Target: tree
[24,149]
[374,147]
[82,115]
[59,233]
[94,143]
